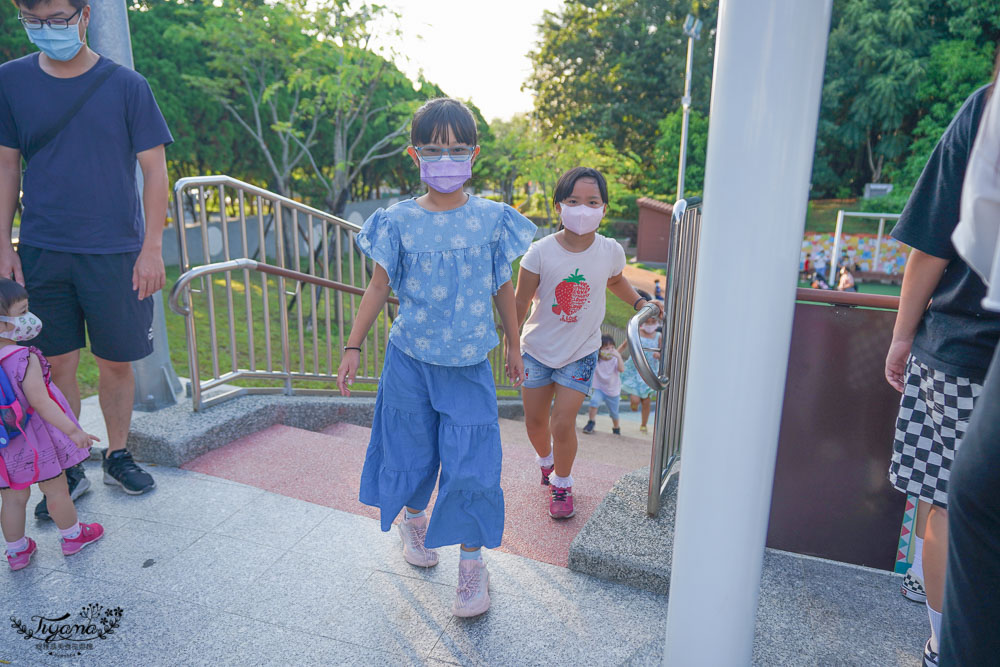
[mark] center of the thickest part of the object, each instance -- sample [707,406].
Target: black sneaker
[589,428]
[78,485]
[121,469]
[616,431]
[930,657]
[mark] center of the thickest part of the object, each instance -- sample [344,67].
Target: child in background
[444,254]
[49,442]
[564,278]
[657,292]
[632,382]
[607,385]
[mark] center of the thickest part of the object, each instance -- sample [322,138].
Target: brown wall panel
[831,496]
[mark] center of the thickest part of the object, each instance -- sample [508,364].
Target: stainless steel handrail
[252,265]
[298,337]
[671,382]
[248,188]
[292,332]
[635,348]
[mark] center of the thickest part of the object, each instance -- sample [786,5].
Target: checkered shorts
[933,415]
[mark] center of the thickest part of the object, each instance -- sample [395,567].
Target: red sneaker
[89,532]
[21,559]
[561,505]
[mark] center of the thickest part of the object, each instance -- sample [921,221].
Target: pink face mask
[444,175]
[581,219]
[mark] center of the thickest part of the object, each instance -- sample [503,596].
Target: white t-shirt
[606,376]
[568,307]
[977,236]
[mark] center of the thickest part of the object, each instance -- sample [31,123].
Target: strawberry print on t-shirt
[571,295]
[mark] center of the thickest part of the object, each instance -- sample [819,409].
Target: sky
[472,49]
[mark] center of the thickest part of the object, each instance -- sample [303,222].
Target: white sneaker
[473,595]
[413,532]
[913,587]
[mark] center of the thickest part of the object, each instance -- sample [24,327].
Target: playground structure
[769,63]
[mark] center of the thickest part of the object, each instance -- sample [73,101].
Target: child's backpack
[13,420]
[13,417]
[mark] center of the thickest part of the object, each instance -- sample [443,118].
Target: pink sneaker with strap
[20,560]
[89,532]
[561,505]
[413,532]
[473,595]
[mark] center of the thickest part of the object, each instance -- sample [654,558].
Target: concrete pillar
[765,105]
[156,383]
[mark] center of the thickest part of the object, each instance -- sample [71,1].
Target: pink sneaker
[545,474]
[89,532]
[413,532]
[21,559]
[561,505]
[473,595]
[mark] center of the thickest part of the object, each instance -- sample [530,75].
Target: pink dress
[55,450]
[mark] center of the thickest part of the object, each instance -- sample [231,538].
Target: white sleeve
[618,263]
[976,236]
[532,260]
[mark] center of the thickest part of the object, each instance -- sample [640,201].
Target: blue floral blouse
[445,268]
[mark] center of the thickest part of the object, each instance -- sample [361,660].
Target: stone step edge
[621,543]
[177,434]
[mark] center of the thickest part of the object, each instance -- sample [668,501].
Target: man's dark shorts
[78,295]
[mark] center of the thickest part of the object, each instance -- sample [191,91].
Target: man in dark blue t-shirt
[89,261]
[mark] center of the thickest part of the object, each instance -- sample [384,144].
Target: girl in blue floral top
[446,255]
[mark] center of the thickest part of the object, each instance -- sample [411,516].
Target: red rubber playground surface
[324,468]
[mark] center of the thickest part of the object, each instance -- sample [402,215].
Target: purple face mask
[444,175]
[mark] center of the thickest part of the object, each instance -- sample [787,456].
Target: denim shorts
[576,375]
[600,397]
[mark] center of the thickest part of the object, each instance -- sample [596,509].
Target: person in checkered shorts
[941,348]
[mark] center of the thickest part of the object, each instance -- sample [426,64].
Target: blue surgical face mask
[57,44]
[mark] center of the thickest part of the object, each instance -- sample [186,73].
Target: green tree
[954,69]
[609,68]
[260,72]
[504,157]
[13,41]
[876,55]
[206,138]
[666,154]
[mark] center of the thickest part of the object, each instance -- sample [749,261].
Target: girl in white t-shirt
[563,278]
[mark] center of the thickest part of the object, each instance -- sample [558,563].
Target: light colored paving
[207,571]
[325,468]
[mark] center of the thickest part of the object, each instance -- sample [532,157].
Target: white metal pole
[686,105]
[156,383]
[765,107]
[878,244]
[831,275]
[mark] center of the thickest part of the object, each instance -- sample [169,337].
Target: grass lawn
[302,349]
[869,288]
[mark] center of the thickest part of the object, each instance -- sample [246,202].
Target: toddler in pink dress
[40,439]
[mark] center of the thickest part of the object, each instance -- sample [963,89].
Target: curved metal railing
[281,332]
[670,379]
[656,382]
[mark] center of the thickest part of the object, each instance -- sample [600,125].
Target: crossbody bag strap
[44,139]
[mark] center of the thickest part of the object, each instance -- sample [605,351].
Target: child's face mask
[581,219]
[606,352]
[445,175]
[26,327]
[650,327]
